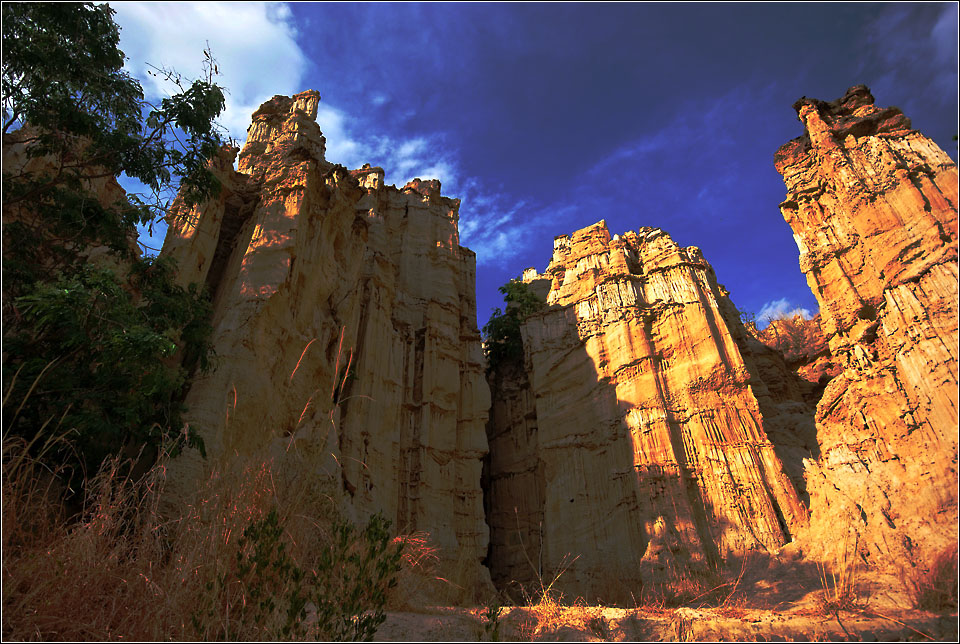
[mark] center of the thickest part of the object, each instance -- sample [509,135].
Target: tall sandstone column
[873,207]
[345,335]
[635,444]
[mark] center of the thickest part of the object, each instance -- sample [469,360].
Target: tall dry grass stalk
[419,583]
[840,581]
[122,570]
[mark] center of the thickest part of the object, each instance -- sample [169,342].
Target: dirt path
[592,624]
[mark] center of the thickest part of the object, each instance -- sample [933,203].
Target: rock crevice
[634,411]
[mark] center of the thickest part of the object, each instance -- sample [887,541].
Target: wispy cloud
[254,44]
[781,308]
[681,171]
[906,39]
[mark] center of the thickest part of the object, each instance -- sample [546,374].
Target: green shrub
[491,621]
[271,597]
[96,351]
[501,333]
[354,574]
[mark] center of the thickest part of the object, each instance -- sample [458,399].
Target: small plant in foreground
[341,599]
[491,620]
[599,627]
[265,573]
[840,581]
[352,579]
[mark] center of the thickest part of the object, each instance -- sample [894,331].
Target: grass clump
[236,564]
[934,587]
[419,582]
[490,621]
[840,581]
[713,586]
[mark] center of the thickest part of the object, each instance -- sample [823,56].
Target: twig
[873,613]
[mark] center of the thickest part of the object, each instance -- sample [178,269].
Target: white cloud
[258,57]
[254,44]
[781,308]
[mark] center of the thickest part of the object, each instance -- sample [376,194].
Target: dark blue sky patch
[546,118]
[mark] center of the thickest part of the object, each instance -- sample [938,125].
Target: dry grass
[544,609]
[840,581]
[122,570]
[934,587]
[695,588]
[419,584]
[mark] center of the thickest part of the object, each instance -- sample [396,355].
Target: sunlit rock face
[345,335]
[630,445]
[873,207]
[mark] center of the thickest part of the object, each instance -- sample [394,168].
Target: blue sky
[546,118]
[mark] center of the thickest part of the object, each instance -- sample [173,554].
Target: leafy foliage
[63,75]
[491,621]
[97,357]
[98,341]
[352,582]
[267,573]
[348,588]
[502,332]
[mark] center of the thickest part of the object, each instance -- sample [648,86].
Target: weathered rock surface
[804,348]
[345,333]
[632,436]
[873,207]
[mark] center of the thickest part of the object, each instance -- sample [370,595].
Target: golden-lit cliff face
[873,207]
[632,436]
[345,334]
[645,433]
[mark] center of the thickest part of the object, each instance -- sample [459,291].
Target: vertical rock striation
[345,333]
[632,438]
[873,207]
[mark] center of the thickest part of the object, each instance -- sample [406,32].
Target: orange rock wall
[638,422]
[345,333]
[873,207]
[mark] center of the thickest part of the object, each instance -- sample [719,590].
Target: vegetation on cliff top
[501,334]
[98,341]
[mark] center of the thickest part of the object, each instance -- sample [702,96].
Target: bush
[503,341]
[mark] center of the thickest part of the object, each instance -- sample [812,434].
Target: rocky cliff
[873,207]
[630,447]
[345,334]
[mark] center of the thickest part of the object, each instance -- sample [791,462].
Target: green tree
[98,341]
[502,332]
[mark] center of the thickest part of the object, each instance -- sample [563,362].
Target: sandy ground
[785,604]
[597,624]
